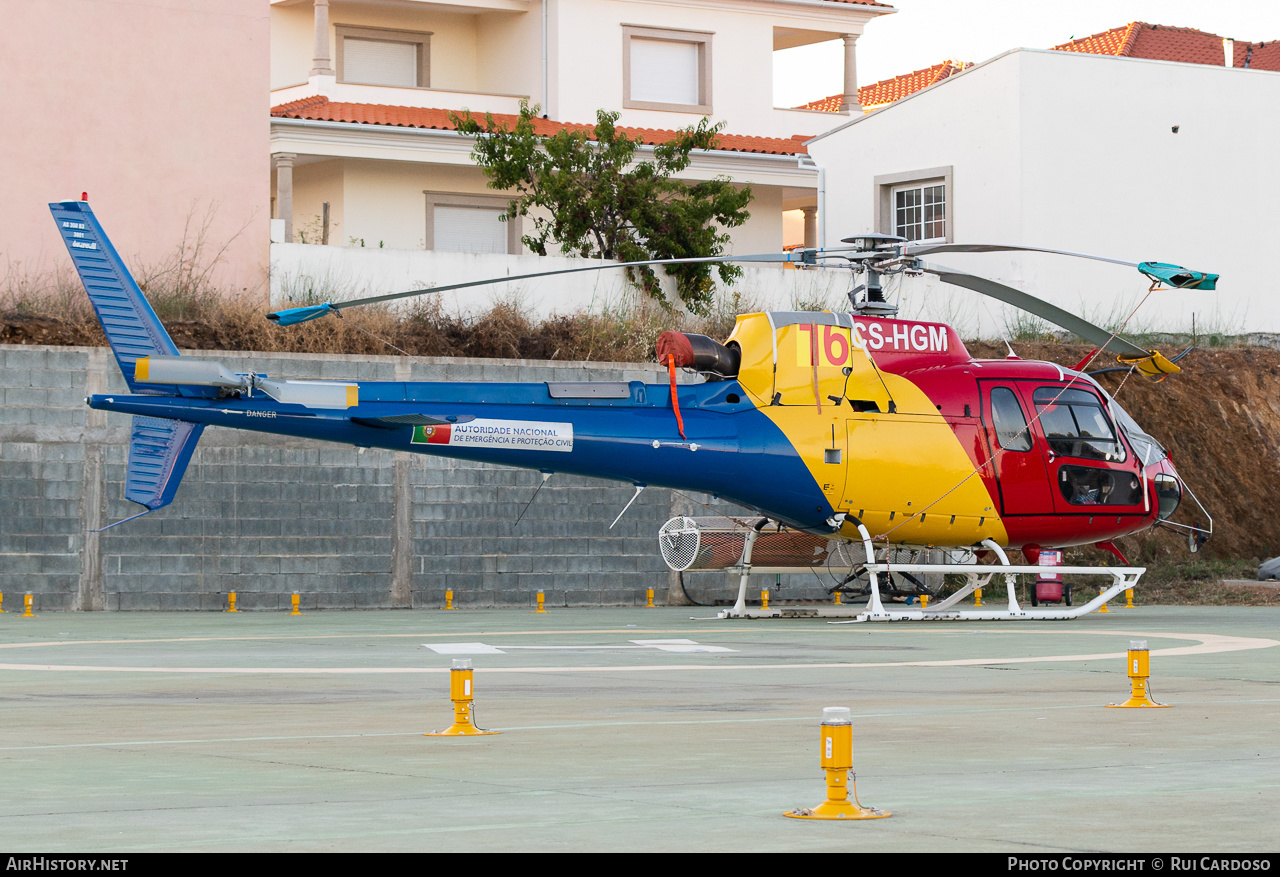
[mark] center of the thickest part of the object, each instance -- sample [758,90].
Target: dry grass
[54,310]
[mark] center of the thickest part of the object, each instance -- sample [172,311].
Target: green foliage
[584,190]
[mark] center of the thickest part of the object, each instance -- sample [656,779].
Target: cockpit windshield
[1147,448]
[1075,425]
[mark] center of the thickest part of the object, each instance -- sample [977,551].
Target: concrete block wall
[347,528]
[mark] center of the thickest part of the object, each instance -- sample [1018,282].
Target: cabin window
[1084,485]
[1009,421]
[1168,495]
[378,56]
[666,70]
[1076,425]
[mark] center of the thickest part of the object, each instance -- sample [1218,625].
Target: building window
[917,205]
[666,69]
[377,56]
[470,224]
[920,212]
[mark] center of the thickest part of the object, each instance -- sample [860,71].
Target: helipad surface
[632,729]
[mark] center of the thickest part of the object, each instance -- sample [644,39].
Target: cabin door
[1021,475]
[1088,464]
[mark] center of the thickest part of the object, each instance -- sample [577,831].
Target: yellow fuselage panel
[910,478]
[904,473]
[754,337]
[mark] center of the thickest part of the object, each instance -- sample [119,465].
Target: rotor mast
[867,295]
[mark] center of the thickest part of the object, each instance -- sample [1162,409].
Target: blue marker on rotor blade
[1178,277]
[293,316]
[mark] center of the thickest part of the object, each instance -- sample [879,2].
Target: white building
[1128,158]
[364,154]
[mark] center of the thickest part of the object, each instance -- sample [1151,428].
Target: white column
[810,226]
[320,65]
[284,192]
[849,101]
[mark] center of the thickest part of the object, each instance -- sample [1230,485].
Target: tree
[583,189]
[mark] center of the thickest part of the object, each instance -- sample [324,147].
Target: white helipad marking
[679,645]
[463,649]
[664,645]
[1206,644]
[611,648]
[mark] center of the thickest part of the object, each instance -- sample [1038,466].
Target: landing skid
[1124,577]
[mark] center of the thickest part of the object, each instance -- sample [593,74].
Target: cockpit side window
[1076,425]
[1009,421]
[1086,485]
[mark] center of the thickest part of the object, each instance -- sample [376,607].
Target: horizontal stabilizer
[186,371]
[311,394]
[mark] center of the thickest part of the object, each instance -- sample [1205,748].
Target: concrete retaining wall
[347,528]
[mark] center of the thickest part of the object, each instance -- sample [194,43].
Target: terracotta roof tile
[1134,40]
[886,91]
[322,109]
[1182,44]
[1266,56]
[1117,41]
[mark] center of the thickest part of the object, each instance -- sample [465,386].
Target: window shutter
[469,230]
[376,62]
[664,72]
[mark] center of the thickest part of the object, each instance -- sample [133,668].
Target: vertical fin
[132,328]
[159,450]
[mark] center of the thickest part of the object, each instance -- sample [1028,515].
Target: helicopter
[833,429]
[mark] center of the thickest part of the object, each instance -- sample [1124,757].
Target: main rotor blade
[928,249]
[292,316]
[1162,272]
[1039,307]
